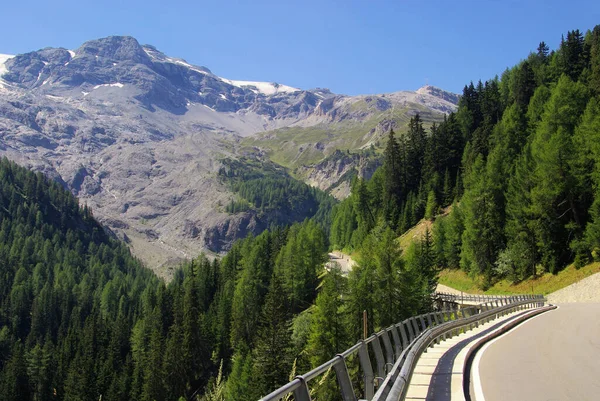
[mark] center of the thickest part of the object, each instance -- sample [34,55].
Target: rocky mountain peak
[139,136]
[115,48]
[439,93]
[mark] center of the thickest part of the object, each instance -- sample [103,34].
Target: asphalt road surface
[554,356]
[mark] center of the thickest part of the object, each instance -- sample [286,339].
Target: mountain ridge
[139,136]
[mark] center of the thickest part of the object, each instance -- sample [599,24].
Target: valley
[170,232]
[140,136]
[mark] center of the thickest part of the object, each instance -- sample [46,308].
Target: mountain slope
[139,136]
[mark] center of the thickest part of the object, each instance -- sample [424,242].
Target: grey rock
[138,136]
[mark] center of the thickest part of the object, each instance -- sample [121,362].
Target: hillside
[140,136]
[69,294]
[342,123]
[519,161]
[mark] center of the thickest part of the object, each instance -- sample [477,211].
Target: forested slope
[519,157]
[81,319]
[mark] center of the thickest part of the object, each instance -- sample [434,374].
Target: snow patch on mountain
[257,87]
[266,88]
[3,59]
[117,84]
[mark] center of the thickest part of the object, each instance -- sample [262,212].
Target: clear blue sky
[351,47]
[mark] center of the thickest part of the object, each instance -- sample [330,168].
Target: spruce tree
[392,178]
[272,354]
[431,209]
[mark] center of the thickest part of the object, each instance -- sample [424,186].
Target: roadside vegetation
[516,170]
[519,162]
[545,283]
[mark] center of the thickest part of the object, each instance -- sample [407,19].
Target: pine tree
[543,50]
[272,354]
[328,333]
[387,273]
[431,209]
[393,178]
[554,199]
[483,237]
[362,283]
[594,44]
[447,192]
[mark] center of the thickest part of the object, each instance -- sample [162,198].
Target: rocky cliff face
[335,173]
[139,136]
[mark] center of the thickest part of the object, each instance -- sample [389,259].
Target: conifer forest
[510,183]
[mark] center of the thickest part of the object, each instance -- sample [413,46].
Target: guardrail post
[436,319]
[389,352]
[413,322]
[411,333]
[397,342]
[365,364]
[302,393]
[429,321]
[447,318]
[462,316]
[378,357]
[405,338]
[341,372]
[423,324]
[471,313]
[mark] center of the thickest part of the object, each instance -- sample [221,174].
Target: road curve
[554,356]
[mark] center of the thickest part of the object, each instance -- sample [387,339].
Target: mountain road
[554,356]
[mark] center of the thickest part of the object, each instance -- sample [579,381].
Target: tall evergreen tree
[272,354]
[393,178]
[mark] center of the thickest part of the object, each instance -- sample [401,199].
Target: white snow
[223,96]
[45,82]
[85,93]
[183,63]
[3,59]
[150,53]
[72,53]
[117,84]
[114,64]
[266,88]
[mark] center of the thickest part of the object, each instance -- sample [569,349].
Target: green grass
[544,284]
[417,232]
[295,146]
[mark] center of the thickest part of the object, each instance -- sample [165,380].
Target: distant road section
[448,290]
[345,261]
[555,356]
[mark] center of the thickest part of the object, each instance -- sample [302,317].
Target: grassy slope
[544,284]
[295,146]
[459,280]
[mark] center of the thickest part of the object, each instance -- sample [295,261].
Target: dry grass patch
[544,284]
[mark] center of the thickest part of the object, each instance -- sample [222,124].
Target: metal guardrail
[396,388]
[444,296]
[392,359]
